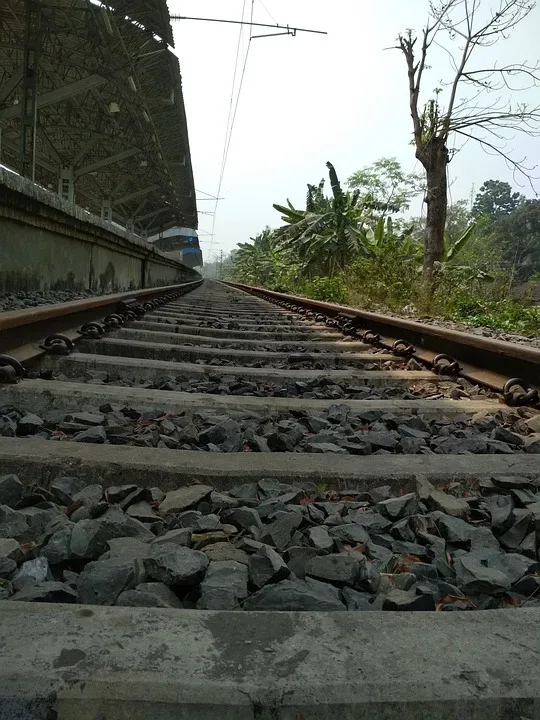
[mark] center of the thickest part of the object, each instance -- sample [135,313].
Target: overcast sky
[313,98]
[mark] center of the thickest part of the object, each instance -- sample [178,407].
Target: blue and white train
[180,243]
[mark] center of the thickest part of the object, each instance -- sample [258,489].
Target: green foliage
[509,315]
[344,249]
[458,219]
[326,289]
[386,185]
[451,251]
[517,236]
[328,234]
[495,199]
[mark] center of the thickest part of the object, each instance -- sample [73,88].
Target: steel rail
[484,361]
[24,332]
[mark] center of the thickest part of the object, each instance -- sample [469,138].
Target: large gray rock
[453,530]
[39,518]
[10,549]
[30,425]
[534,509]
[280,531]
[89,418]
[461,446]
[521,525]
[500,508]
[32,572]
[101,582]
[221,551]
[272,488]
[267,566]
[408,600]
[474,576]
[372,522]
[12,523]
[224,586]
[176,565]
[117,493]
[7,566]
[306,595]
[58,548]
[180,536]
[341,569]
[398,507]
[11,490]
[532,444]
[184,498]
[248,491]
[127,548]
[320,538]
[243,518]
[142,511]
[48,592]
[64,489]
[297,556]
[153,594]
[439,500]
[89,538]
[350,533]
[89,495]
[223,501]
[508,482]
[356,600]
[96,435]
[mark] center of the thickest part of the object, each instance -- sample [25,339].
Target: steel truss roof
[109,106]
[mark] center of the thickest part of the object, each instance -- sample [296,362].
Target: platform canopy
[91,107]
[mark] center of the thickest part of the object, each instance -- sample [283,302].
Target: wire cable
[231,103]
[230,125]
[268,12]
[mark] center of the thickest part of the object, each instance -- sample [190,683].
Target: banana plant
[329,233]
[382,239]
[451,251]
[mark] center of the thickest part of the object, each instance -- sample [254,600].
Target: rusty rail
[508,368]
[26,335]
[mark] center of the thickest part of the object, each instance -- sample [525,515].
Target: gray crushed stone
[275,546]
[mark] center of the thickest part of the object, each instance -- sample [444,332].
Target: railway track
[281,437]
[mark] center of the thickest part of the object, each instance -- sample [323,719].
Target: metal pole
[29,109]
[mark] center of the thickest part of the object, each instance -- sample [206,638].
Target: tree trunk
[434,158]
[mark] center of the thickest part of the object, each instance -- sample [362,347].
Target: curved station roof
[91,106]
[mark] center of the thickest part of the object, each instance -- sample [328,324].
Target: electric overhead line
[290,30]
[268,12]
[232,113]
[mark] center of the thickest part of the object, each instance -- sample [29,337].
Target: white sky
[313,98]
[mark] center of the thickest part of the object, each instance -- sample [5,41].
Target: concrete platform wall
[46,243]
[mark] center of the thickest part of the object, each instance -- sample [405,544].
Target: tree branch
[517,165]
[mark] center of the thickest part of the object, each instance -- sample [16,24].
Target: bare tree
[486,113]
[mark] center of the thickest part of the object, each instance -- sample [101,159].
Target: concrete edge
[125,241]
[45,395]
[146,368]
[90,662]
[39,461]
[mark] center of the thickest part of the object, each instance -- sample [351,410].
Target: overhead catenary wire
[268,12]
[232,113]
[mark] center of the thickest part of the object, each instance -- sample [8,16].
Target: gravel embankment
[272,546]
[337,430]
[23,300]
[319,388]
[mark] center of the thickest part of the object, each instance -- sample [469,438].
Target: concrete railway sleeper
[198,448]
